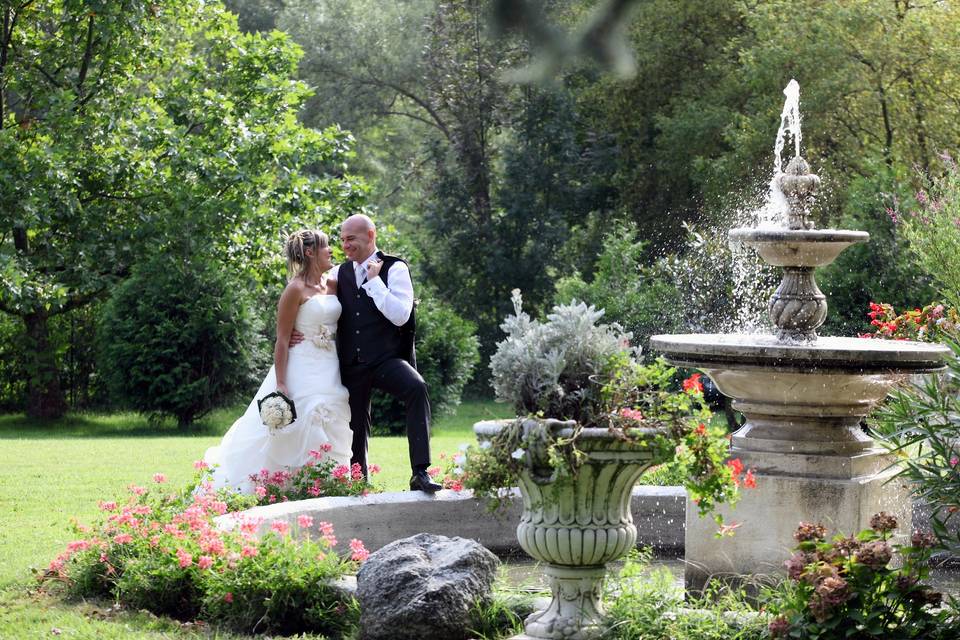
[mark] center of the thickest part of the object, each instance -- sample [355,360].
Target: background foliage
[447,354]
[133,127]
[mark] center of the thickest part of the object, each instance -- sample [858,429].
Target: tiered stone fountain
[803,397]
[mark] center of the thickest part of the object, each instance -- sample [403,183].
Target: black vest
[364,335]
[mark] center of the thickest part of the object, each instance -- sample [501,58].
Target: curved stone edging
[380,518]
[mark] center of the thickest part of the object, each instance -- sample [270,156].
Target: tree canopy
[130,128]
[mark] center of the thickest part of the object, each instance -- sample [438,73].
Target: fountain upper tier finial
[798,307]
[799,186]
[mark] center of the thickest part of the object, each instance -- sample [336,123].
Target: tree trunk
[44,396]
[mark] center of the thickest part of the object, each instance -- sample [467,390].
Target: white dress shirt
[394,302]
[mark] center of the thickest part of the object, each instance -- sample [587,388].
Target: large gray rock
[423,588]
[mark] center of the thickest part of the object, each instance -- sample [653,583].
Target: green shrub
[933,232]
[177,339]
[13,367]
[287,589]
[920,424]
[447,352]
[635,296]
[72,337]
[152,579]
[644,604]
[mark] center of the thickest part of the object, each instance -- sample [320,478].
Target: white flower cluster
[323,338]
[276,414]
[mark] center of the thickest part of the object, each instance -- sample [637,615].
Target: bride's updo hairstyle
[295,249]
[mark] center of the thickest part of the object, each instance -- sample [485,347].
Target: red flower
[735,466]
[693,384]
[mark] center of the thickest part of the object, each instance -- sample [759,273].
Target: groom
[375,343]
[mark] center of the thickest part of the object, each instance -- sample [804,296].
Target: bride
[309,375]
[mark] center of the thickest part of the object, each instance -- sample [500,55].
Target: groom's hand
[295,338]
[373,269]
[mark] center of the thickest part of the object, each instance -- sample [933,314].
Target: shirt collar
[369,258]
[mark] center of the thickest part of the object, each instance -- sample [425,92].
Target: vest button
[358,331]
[358,313]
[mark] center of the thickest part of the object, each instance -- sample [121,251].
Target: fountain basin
[805,399]
[803,402]
[826,354]
[797,247]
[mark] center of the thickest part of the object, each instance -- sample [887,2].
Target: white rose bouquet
[277,411]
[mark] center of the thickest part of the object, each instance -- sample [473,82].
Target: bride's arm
[286,314]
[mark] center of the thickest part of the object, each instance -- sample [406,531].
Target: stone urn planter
[576,524]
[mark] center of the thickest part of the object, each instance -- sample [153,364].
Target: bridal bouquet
[277,411]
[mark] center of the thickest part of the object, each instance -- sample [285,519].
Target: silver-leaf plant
[557,368]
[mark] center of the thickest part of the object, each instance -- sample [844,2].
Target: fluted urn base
[575,611]
[576,524]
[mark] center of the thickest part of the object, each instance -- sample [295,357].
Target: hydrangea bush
[162,551]
[846,588]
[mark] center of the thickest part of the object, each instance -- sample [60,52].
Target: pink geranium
[358,551]
[185,558]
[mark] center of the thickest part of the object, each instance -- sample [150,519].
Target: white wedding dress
[321,401]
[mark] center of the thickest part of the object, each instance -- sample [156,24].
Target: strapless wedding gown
[322,403]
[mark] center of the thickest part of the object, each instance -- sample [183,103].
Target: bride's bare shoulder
[294,289]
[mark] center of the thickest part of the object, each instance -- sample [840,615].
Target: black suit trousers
[397,378]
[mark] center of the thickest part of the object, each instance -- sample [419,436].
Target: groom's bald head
[358,235]
[361,221]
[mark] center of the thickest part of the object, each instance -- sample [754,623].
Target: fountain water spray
[789,124]
[774,211]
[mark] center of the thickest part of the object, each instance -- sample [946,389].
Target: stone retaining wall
[381,518]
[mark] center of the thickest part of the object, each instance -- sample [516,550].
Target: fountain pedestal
[769,515]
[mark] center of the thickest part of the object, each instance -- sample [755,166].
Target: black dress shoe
[420,481]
